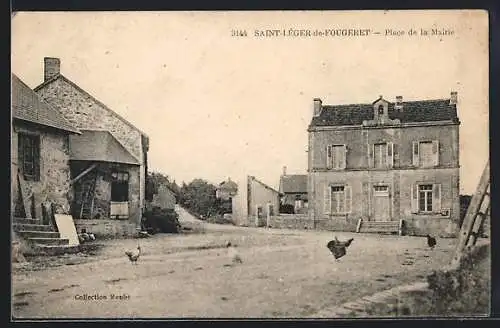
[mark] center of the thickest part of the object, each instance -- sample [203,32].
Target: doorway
[381,203]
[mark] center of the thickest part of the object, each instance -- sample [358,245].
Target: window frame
[428,198]
[34,140]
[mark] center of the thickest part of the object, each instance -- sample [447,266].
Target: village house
[254,203]
[385,164]
[163,197]
[40,169]
[224,193]
[108,160]
[293,191]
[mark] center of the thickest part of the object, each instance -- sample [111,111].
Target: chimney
[284,170]
[453,98]
[317,106]
[52,67]
[399,103]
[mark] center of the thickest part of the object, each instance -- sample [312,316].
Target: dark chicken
[431,241]
[338,248]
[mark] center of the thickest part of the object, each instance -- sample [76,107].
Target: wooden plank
[66,228]
[26,200]
[471,214]
[84,173]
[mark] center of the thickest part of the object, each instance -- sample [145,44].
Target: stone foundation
[103,229]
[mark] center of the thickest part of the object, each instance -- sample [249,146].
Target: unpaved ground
[284,273]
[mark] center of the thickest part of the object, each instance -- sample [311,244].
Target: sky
[218,106]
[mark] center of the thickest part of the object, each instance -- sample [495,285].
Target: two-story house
[384,162]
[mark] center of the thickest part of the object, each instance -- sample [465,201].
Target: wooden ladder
[88,196]
[478,211]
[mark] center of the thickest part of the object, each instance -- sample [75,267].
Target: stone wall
[107,228]
[84,112]
[102,191]
[54,168]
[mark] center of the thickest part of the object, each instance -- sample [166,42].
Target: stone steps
[19,227]
[39,234]
[49,241]
[27,221]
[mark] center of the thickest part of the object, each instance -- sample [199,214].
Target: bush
[161,220]
[287,209]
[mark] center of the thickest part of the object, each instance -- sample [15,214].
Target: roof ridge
[43,84]
[390,102]
[49,107]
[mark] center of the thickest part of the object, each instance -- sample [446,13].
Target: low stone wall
[439,226]
[107,228]
[291,221]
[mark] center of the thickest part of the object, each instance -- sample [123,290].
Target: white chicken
[133,256]
[233,253]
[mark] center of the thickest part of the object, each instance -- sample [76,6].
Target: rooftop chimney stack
[453,98]
[317,106]
[52,67]
[284,170]
[399,103]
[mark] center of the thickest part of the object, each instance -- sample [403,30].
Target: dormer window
[381,110]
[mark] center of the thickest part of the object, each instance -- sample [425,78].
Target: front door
[381,204]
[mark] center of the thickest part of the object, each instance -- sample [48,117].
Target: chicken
[338,248]
[134,256]
[431,241]
[233,254]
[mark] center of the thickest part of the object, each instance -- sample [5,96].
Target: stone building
[385,162]
[254,202]
[293,191]
[164,197]
[40,169]
[109,158]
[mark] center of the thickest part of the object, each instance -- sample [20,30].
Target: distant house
[108,160]
[164,197]
[226,190]
[254,202]
[40,155]
[293,191]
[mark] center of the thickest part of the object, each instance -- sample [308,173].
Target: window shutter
[343,164]
[414,198]
[329,156]
[36,159]
[327,199]
[415,153]
[370,155]
[348,199]
[435,152]
[20,153]
[390,154]
[436,198]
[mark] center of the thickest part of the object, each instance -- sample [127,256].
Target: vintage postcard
[230,164]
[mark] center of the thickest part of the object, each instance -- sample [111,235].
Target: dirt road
[284,273]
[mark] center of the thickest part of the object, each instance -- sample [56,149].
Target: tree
[199,197]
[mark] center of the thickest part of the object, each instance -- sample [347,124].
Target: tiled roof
[76,86]
[295,183]
[413,111]
[228,185]
[100,146]
[27,106]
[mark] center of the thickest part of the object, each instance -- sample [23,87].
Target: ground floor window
[119,187]
[425,198]
[338,199]
[29,156]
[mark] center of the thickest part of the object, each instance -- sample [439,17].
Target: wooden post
[472,213]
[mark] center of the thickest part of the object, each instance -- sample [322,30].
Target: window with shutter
[380,155]
[435,152]
[327,199]
[425,198]
[348,199]
[415,153]
[329,161]
[436,201]
[29,156]
[426,153]
[414,198]
[390,154]
[338,199]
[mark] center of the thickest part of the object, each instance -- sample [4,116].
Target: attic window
[380,110]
